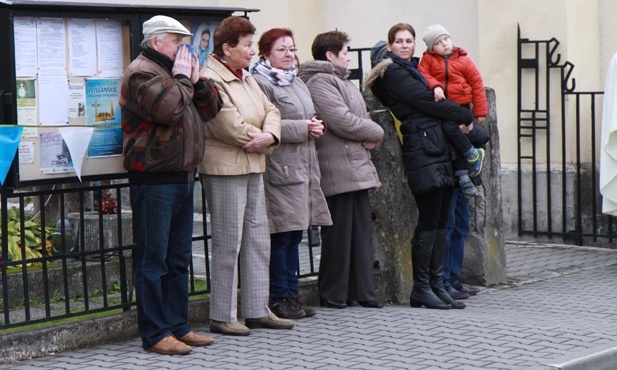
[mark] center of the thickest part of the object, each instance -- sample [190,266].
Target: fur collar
[377,72]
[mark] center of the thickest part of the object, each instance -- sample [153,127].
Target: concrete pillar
[485,258]
[395,214]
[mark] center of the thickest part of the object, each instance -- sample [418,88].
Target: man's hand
[183,64]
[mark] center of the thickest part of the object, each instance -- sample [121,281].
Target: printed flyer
[106,142]
[77,100]
[26,102]
[102,95]
[55,155]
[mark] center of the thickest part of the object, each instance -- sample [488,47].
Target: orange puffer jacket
[458,76]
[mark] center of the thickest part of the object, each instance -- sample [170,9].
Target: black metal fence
[63,256]
[557,149]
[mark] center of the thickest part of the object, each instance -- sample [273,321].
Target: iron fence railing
[86,267]
[557,144]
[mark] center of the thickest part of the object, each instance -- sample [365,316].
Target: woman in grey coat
[292,181]
[346,267]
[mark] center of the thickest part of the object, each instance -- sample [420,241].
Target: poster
[82,47]
[77,100]
[26,152]
[102,95]
[105,142]
[26,102]
[110,50]
[202,40]
[55,155]
[53,97]
[51,43]
[26,52]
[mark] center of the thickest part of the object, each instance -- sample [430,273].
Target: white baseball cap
[163,24]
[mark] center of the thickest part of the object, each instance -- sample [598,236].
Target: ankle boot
[437,260]
[421,294]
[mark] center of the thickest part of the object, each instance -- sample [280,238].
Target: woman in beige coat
[246,129]
[292,180]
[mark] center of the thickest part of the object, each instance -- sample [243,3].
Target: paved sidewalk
[557,312]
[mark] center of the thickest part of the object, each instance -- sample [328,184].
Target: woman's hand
[259,142]
[369,145]
[315,128]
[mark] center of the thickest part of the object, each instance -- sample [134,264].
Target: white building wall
[586,29]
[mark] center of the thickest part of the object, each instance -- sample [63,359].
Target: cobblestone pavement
[558,305]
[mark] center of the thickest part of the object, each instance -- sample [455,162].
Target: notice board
[66,86]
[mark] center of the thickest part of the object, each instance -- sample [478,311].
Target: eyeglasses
[285,50]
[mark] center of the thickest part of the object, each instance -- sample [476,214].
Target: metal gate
[558,141]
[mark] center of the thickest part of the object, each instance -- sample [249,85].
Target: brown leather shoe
[229,328]
[269,322]
[308,310]
[170,346]
[286,310]
[196,340]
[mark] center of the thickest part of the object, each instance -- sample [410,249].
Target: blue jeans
[163,229]
[284,265]
[456,232]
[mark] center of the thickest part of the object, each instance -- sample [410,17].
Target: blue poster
[9,142]
[106,141]
[102,107]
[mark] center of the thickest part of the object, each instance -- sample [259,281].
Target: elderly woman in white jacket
[292,180]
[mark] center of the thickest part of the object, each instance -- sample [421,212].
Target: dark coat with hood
[426,152]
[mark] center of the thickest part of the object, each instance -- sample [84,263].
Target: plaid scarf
[276,76]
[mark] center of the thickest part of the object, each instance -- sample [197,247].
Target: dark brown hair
[229,32]
[269,38]
[332,41]
[400,27]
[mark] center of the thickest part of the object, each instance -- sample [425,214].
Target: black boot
[437,261]
[421,294]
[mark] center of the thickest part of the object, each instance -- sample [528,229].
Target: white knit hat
[432,33]
[163,24]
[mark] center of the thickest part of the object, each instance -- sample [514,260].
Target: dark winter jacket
[426,152]
[163,120]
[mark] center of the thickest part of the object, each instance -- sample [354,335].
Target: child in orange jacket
[453,75]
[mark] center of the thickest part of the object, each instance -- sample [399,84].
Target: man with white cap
[164,106]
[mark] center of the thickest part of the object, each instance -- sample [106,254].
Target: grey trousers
[240,231]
